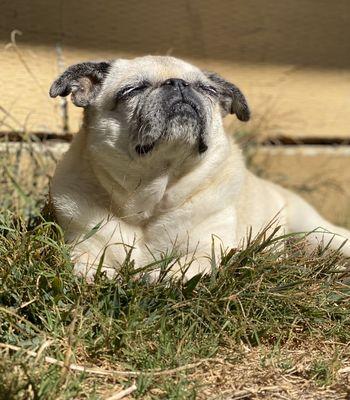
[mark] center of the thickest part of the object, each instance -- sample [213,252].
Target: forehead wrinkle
[166,68]
[155,69]
[163,73]
[158,77]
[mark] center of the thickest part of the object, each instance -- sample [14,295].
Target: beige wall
[320,174]
[290,57]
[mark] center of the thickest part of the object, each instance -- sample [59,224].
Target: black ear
[231,98]
[83,80]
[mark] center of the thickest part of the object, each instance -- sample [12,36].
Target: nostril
[176,82]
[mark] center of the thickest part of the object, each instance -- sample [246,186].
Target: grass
[271,322]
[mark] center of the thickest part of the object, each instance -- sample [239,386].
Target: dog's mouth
[184,106]
[142,150]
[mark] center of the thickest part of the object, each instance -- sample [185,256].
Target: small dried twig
[344,370]
[27,303]
[247,393]
[13,45]
[123,393]
[240,395]
[104,372]
[42,348]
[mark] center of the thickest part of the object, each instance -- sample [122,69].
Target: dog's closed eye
[210,90]
[131,90]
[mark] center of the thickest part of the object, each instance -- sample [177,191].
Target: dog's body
[160,175]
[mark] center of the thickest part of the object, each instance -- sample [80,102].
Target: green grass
[259,307]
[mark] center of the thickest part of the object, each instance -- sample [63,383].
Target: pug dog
[152,173]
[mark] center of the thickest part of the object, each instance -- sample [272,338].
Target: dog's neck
[161,180]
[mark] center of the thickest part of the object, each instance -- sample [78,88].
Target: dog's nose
[176,83]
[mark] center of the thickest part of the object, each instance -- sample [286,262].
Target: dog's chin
[143,149]
[183,108]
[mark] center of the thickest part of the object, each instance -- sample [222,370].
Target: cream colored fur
[170,201]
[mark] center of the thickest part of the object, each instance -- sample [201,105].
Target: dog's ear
[231,98]
[83,80]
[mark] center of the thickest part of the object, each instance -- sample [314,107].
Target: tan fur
[171,201]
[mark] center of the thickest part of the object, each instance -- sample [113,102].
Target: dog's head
[151,100]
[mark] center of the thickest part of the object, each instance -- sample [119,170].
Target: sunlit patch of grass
[258,297]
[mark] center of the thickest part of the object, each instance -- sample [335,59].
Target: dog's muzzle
[181,107]
[178,98]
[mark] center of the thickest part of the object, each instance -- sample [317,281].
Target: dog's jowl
[153,168]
